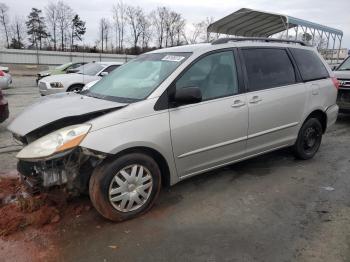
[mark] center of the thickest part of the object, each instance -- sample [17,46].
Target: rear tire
[309,139]
[126,187]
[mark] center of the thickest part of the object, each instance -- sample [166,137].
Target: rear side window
[310,65]
[267,68]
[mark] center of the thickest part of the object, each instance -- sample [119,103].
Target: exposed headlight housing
[56,85]
[54,143]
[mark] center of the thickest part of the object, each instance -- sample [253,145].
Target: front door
[213,132]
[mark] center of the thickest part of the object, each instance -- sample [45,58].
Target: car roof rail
[261,39]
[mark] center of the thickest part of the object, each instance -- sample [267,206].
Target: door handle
[238,103]
[255,99]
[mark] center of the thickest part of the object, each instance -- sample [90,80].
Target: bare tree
[179,30]
[159,17]
[321,42]
[104,33]
[208,37]
[51,14]
[4,20]
[135,18]
[146,32]
[168,26]
[174,25]
[18,33]
[119,17]
[192,36]
[64,19]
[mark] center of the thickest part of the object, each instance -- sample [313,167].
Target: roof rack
[262,39]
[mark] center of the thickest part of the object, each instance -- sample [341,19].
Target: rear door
[276,98]
[320,88]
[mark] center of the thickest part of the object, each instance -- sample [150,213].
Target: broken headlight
[54,143]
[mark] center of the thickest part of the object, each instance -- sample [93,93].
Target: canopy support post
[333,37]
[296,32]
[313,36]
[340,40]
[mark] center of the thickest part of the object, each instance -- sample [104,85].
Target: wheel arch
[320,115]
[157,156]
[75,84]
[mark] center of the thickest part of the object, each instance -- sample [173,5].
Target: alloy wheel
[130,188]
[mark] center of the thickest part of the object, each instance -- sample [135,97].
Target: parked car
[174,113]
[5,69]
[4,108]
[88,85]
[342,72]
[5,80]
[76,81]
[62,69]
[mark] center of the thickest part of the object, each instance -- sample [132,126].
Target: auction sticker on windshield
[173,58]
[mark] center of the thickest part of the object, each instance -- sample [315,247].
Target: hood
[45,73]
[60,108]
[342,74]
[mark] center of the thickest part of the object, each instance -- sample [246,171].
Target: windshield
[90,69]
[138,78]
[62,67]
[345,65]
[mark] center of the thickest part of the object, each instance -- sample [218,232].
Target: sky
[331,13]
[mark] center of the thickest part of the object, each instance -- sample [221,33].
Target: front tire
[75,88]
[309,139]
[126,187]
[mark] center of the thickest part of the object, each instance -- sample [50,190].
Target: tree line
[129,29]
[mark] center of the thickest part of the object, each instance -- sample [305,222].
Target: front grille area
[42,86]
[344,83]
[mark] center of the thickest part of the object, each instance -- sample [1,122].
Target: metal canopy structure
[252,23]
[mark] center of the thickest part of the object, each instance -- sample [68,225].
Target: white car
[5,78]
[5,69]
[75,82]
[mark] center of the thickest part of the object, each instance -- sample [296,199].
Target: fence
[34,57]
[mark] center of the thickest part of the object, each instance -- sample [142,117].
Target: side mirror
[103,74]
[188,95]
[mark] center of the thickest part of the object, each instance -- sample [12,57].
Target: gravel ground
[21,94]
[270,208]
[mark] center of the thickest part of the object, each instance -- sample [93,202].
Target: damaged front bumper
[71,170]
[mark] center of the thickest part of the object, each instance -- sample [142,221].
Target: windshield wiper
[344,69]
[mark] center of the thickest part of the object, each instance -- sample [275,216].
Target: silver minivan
[174,113]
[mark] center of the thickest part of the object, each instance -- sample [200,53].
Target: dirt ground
[270,208]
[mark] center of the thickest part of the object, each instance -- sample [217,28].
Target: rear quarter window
[309,64]
[268,68]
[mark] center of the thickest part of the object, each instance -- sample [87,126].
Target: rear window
[310,65]
[267,68]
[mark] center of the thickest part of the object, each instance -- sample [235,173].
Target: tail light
[336,82]
[2,73]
